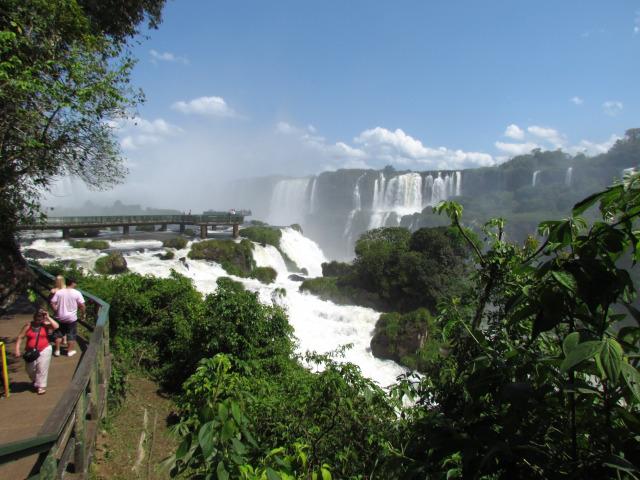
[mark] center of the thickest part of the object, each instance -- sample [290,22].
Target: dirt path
[139,426]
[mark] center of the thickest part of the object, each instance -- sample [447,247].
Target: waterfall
[269,256]
[568,176]
[534,179]
[302,250]
[428,190]
[458,177]
[401,195]
[357,206]
[288,201]
[439,190]
[319,325]
[313,199]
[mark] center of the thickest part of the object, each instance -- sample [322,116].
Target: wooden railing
[69,433]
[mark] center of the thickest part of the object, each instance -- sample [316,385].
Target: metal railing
[211,218]
[69,433]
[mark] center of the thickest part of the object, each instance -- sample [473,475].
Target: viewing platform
[53,435]
[204,221]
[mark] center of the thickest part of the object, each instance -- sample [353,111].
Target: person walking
[37,334]
[66,302]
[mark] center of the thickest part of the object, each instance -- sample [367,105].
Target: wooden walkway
[24,412]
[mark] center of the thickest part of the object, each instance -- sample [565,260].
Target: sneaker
[56,353]
[71,353]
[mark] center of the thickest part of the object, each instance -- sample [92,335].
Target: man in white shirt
[66,302]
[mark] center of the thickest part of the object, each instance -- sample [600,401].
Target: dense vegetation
[534,376]
[235,258]
[112,264]
[397,270]
[261,233]
[90,244]
[65,72]
[176,242]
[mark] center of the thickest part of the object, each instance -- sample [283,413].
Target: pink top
[67,300]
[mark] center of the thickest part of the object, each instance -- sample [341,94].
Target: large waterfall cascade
[409,193]
[289,201]
[534,178]
[568,176]
[319,325]
[313,198]
[357,206]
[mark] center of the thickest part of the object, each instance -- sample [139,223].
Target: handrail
[66,432]
[207,218]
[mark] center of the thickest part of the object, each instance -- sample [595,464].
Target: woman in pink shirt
[37,334]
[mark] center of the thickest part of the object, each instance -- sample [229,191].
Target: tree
[64,79]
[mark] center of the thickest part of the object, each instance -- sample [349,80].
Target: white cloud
[514,131]
[592,148]
[636,23]
[515,149]
[401,148]
[576,100]
[210,106]
[550,135]
[308,137]
[167,57]
[138,132]
[612,107]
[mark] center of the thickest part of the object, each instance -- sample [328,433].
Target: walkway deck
[24,412]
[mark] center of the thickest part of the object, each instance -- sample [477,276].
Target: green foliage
[539,379]
[167,255]
[177,242]
[333,414]
[90,244]
[264,274]
[188,232]
[145,228]
[401,337]
[84,232]
[404,271]
[297,227]
[336,269]
[337,291]
[114,263]
[263,235]
[235,258]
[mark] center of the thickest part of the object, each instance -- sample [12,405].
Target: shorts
[68,329]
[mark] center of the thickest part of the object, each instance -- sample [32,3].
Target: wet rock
[33,253]
[296,278]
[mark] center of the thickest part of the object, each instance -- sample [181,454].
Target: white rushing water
[319,325]
[289,201]
[568,177]
[534,178]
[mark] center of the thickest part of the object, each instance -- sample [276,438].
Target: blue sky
[241,88]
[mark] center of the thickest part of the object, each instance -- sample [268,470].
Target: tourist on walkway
[59,285]
[37,334]
[66,303]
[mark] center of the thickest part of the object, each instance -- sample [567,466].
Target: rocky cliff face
[334,208]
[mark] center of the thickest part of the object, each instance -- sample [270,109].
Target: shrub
[297,227]
[258,223]
[176,242]
[168,255]
[114,263]
[189,232]
[90,244]
[235,258]
[332,288]
[400,337]
[84,232]
[264,274]
[263,235]
[336,269]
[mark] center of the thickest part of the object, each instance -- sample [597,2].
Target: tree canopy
[64,79]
